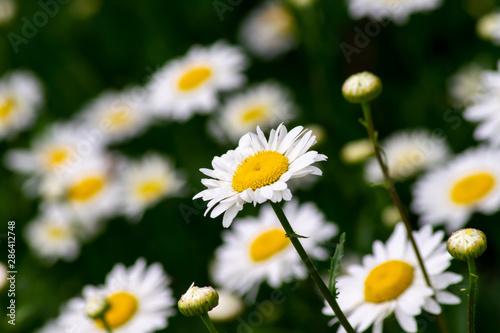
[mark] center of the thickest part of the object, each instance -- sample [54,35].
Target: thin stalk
[311,268]
[105,324]
[208,323]
[472,295]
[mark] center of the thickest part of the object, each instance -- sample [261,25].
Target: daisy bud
[198,301]
[362,87]
[96,307]
[465,244]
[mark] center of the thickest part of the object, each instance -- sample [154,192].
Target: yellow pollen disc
[7,105]
[472,188]
[86,189]
[151,190]
[119,118]
[387,281]
[123,307]
[254,115]
[57,232]
[268,244]
[57,156]
[194,78]
[259,170]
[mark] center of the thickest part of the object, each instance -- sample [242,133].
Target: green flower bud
[96,307]
[197,301]
[362,87]
[465,244]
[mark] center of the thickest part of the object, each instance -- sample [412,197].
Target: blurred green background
[77,56]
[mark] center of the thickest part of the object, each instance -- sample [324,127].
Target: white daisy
[117,115]
[269,30]
[266,105]
[451,194]
[408,153]
[8,9]
[147,181]
[488,27]
[398,11]
[53,235]
[484,110]
[190,84]
[139,297]
[390,281]
[20,99]
[464,85]
[258,170]
[229,308]
[256,249]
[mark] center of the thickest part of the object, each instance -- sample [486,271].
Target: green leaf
[335,265]
[294,235]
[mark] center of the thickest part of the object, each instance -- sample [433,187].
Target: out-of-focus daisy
[390,281]
[451,194]
[229,308]
[408,153]
[356,151]
[190,84]
[488,27]
[258,170]
[8,10]
[147,181]
[398,11]
[3,275]
[53,235]
[256,249]
[139,297]
[269,30]
[464,85]
[265,105]
[117,115]
[484,110]
[21,96]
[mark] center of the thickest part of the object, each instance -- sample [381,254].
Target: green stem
[311,268]
[105,324]
[396,200]
[208,323]
[472,295]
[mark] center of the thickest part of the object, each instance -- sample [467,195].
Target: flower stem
[372,135]
[105,324]
[311,268]
[208,323]
[472,295]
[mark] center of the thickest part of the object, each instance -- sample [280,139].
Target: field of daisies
[249,166]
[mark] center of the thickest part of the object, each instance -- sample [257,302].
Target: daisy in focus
[21,96]
[266,105]
[390,281]
[258,170]
[148,181]
[465,84]
[484,110]
[398,11]
[451,194]
[257,250]
[139,298]
[269,30]
[116,116]
[408,153]
[190,84]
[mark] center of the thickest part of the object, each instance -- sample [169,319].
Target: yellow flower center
[387,281]
[119,117]
[151,190]
[57,156]
[7,105]
[259,170]
[86,189]
[58,232]
[194,78]
[254,115]
[268,244]
[472,188]
[123,307]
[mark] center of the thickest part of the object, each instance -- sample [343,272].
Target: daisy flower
[139,297]
[266,105]
[190,84]
[269,30]
[451,194]
[230,307]
[390,281]
[258,170]
[398,11]
[117,115]
[20,99]
[8,9]
[53,235]
[3,275]
[488,27]
[464,85]
[408,153]
[484,110]
[148,181]
[256,248]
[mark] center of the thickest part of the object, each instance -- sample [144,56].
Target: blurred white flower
[229,308]
[356,151]
[465,84]
[488,27]
[3,275]
[8,9]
